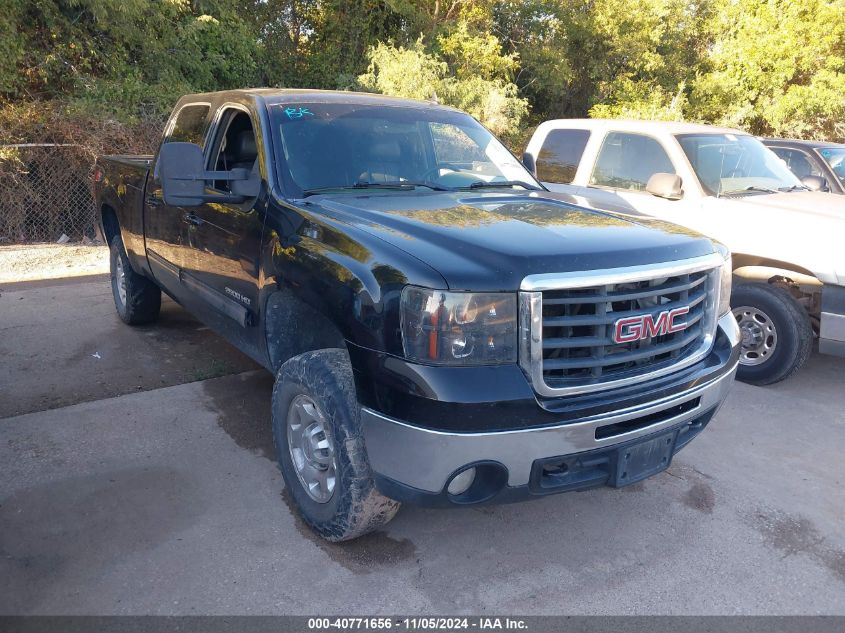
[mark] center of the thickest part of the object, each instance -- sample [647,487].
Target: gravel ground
[29,262]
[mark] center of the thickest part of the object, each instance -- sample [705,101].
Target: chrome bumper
[424,459]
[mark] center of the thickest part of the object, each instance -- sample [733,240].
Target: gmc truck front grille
[583,332]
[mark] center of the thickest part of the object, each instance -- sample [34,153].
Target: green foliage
[413,73]
[768,66]
[775,67]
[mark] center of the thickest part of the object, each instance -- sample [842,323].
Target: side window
[190,125]
[234,146]
[559,157]
[627,161]
[797,161]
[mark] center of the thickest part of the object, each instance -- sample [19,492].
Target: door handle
[193,219]
[153,201]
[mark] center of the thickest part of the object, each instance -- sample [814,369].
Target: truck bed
[141,161]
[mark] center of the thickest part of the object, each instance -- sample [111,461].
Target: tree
[413,73]
[775,67]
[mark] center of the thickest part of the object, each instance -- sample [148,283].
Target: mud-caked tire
[320,447]
[137,299]
[777,337]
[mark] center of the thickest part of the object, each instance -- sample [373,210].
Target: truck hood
[801,228]
[815,204]
[490,241]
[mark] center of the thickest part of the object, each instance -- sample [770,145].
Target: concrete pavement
[62,343]
[167,500]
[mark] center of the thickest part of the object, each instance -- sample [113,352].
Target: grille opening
[627,426]
[578,325]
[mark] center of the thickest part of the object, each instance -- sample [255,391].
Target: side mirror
[181,170]
[662,185]
[183,177]
[815,183]
[529,163]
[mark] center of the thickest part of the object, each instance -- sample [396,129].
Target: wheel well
[741,261]
[800,283]
[111,226]
[292,327]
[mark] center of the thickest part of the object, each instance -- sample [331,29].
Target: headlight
[725,277]
[458,328]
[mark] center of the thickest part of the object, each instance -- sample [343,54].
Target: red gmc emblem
[642,326]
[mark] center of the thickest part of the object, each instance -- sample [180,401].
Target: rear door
[558,158]
[223,243]
[165,227]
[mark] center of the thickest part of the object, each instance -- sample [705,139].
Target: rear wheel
[320,447]
[776,334]
[137,299]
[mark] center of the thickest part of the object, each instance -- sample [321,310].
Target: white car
[786,239]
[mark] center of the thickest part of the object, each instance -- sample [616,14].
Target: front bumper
[414,463]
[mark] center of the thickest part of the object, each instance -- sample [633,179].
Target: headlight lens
[725,277]
[458,328]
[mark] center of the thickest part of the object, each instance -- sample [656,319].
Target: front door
[624,164]
[221,263]
[165,227]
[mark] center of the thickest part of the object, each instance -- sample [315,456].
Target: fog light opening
[461,482]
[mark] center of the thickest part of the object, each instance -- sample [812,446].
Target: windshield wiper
[750,188]
[423,183]
[479,184]
[400,185]
[794,188]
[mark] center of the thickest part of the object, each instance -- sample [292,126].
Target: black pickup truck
[442,329]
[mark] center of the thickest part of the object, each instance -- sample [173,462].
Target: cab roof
[276,96]
[794,142]
[651,127]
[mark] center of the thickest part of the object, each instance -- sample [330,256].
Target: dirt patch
[31,262]
[796,535]
[700,497]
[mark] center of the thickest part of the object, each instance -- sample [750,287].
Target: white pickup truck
[787,240]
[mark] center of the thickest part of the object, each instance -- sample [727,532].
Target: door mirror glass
[815,183]
[662,185]
[181,170]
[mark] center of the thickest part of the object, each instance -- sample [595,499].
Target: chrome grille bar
[566,322]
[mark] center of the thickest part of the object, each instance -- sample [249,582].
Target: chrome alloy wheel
[759,335]
[311,448]
[120,279]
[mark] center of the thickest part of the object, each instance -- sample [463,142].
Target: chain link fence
[45,193]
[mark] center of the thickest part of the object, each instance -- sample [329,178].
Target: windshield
[729,164]
[835,157]
[329,146]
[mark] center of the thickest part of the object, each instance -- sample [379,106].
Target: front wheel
[776,334]
[320,447]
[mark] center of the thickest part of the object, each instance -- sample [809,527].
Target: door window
[559,157]
[627,161]
[234,146]
[190,125]
[797,161]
